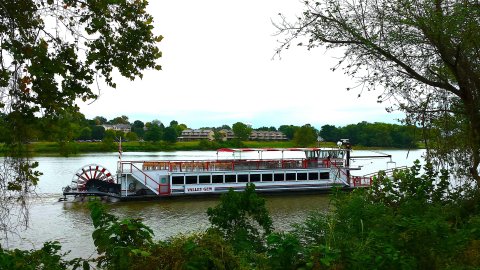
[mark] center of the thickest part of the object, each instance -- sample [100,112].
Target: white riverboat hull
[319,170]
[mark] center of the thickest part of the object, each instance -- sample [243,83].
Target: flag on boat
[120,149]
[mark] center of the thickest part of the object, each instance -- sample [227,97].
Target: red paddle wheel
[88,173]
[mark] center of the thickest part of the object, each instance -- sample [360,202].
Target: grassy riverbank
[55,148]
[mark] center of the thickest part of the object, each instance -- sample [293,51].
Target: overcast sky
[218,69]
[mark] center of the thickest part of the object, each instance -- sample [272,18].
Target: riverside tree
[241,131]
[424,53]
[305,136]
[52,53]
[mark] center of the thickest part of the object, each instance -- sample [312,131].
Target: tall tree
[288,130]
[425,53]
[154,132]
[241,131]
[329,133]
[119,120]
[51,53]
[131,136]
[85,133]
[305,136]
[225,127]
[137,127]
[170,134]
[100,120]
[98,132]
[138,124]
[108,141]
[272,128]
[63,128]
[177,127]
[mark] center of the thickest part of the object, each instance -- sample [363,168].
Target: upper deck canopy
[275,149]
[310,152]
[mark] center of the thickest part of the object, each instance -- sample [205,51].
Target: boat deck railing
[361,181]
[388,172]
[147,180]
[229,165]
[367,179]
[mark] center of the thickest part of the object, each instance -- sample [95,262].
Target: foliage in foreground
[48,257]
[421,55]
[53,54]
[411,221]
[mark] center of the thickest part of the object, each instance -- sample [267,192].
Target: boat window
[254,177]
[204,179]
[217,178]
[311,154]
[279,177]
[230,178]
[301,176]
[191,179]
[177,180]
[324,175]
[267,177]
[337,154]
[290,176]
[313,176]
[243,178]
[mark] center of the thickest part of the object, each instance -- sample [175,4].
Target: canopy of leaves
[52,52]
[305,136]
[119,120]
[373,134]
[425,54]
[241,131]
[154,132]
[288,130]
[170,134]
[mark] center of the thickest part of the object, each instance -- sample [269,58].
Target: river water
[70,223]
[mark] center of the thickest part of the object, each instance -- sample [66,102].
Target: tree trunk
[473,115]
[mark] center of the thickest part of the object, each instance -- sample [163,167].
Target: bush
[234,217]
[46,258]
[410,221]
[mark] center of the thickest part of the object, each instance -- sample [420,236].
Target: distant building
[227,134]
[118,127]
[196,134]
[267,136]
[256,135]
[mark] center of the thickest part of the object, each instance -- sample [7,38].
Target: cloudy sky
[219,68]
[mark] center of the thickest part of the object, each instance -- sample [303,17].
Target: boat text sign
[198,188]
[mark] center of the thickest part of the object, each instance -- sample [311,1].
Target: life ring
[131,187]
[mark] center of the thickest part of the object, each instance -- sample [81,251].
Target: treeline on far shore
[374,134]
[72,133]
[56,148]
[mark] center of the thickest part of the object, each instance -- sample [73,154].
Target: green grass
[54,148]
[274,144]
[72,148]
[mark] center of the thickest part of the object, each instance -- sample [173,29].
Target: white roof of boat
[274,149]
